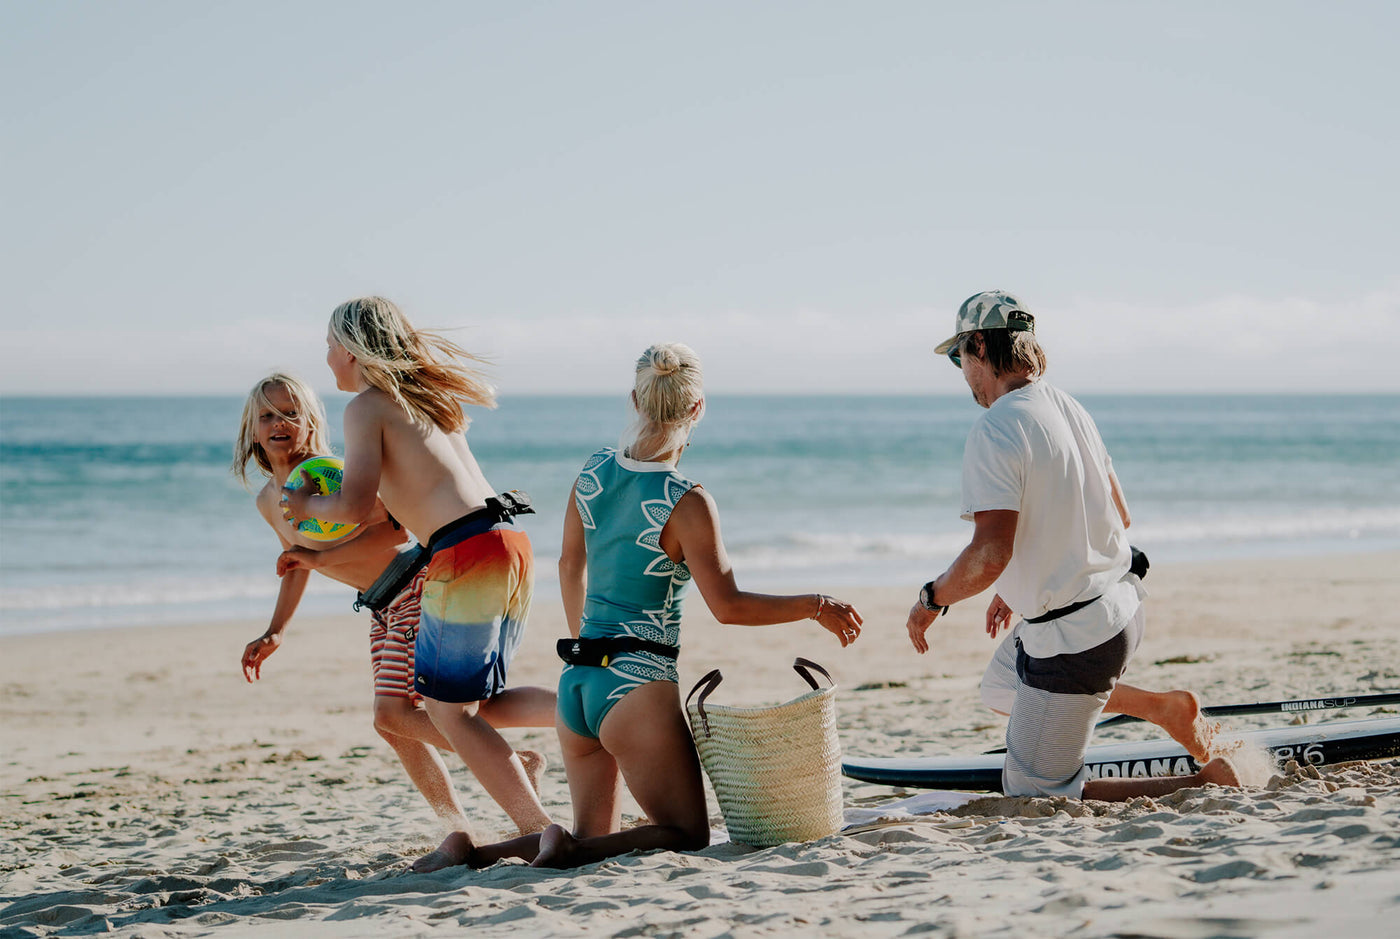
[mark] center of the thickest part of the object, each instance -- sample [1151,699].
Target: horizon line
[863,393]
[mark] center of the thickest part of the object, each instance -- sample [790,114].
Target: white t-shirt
[1036,451]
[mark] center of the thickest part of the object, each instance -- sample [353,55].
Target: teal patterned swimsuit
[634,589]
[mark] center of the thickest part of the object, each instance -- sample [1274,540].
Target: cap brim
[943,347]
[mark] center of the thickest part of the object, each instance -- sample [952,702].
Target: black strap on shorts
[598,652]
[402,569]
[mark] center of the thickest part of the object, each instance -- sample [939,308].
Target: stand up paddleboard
[1316,745]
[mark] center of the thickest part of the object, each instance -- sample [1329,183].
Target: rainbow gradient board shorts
[476,598]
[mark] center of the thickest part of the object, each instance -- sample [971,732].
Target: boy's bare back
[427,478]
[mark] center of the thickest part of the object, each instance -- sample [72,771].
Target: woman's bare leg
[595,784]
[646,734]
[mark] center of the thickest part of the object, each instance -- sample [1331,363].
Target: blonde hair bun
[665,360]
[668,392]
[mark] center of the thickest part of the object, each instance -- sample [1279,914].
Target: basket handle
[800,666]
[713,677]
[711,681]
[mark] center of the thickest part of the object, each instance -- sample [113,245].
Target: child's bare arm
[374,539]
[288,597]
[359,485]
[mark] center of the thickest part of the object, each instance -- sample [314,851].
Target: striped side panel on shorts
[391,643]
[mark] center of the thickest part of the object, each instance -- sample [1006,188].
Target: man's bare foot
[455,849]
[1181,718]
[1220,771]
[535,764]
[556,847]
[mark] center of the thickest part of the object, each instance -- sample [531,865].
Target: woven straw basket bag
[775,770]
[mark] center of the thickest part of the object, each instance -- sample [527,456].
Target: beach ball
[326,473]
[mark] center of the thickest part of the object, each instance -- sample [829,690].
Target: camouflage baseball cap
[990,309]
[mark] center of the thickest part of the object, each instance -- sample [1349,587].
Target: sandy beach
[147,790]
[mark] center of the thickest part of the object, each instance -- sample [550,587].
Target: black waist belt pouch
[398,575]
[1139,565]
[598,652]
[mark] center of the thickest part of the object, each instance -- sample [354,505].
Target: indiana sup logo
[1308,753]
[1170,766]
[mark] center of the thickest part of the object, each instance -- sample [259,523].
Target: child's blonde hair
[670,383]
[309,411]
[412,366]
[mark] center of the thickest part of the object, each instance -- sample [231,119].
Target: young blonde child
[404,441]
[284,424]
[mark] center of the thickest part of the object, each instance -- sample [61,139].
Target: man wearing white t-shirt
[1049,531]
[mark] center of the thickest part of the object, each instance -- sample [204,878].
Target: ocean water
[117,511]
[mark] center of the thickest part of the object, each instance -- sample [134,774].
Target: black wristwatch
[927,601]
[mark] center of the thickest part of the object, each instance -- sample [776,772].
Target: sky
[1189,197]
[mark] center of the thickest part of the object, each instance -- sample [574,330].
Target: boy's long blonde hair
[414,367]
[310,412]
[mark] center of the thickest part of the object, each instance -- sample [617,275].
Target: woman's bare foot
[556,847]
[1181,717]
[535,764]
[455,849]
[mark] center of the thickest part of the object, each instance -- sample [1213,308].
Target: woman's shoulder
[694,505]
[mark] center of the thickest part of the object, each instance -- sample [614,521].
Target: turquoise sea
[117,511]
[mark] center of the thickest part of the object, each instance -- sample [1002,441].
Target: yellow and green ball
[326,473]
